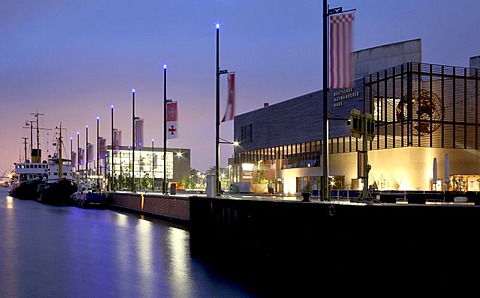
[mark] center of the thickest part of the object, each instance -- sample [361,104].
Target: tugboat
[58,182]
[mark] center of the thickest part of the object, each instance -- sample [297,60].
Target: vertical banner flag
[230,111]
[172,117]
[102,148]
[74,159]
[81,153]
[341,65]
[90,152]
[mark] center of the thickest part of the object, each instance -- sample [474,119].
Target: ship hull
[26,190]
[56,193]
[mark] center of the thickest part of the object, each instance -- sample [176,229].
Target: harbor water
[51,251]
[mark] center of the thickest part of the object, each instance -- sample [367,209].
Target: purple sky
[71,60]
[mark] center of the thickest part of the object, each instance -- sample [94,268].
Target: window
[246,133]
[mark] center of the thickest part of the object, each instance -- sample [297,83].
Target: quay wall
[294,242]
[305,242]
[175,208]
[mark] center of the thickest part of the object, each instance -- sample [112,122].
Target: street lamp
[218,72]
[153,165]
[133,140]
[112,182]
[98,153]
[165,129]
[78,155]
[217,114]
[71,149]
[86,155]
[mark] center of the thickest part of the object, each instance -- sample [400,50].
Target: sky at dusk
[72,60]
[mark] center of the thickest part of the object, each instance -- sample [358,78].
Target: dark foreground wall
[310,245]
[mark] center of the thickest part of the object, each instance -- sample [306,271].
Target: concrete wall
[300,119]
[382,57]
[170,207]
[475,62]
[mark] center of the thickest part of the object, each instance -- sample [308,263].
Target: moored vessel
[88,197]
[58,183]
[27,176]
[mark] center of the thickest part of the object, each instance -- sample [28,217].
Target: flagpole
[133,140]
[98,153]
[217,115]
[164,129]
[112,182]
[86,154]
[326,163]
[78,156]
[325,186]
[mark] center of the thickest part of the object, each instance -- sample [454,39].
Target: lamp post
[133,140]
[78,156]
[98,153]
[218,72]
[72,162]
[217,112]
[325,186]
[71,148]
[164,129]
[86,155]
[153,165]
[112,182]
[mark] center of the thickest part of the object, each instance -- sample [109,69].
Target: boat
[58,182]
[27,175]
[88,197]
[25,179]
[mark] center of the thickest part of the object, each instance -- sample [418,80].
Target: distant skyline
[72,60]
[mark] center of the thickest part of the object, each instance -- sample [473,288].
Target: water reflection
[177,243]
[49,251]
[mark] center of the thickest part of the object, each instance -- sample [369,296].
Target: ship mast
[37,157]
[60,161]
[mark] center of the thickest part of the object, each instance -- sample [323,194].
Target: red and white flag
[230,110]
[172,117]
[341,65]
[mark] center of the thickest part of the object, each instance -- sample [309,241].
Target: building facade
[149,167]
[426,129]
